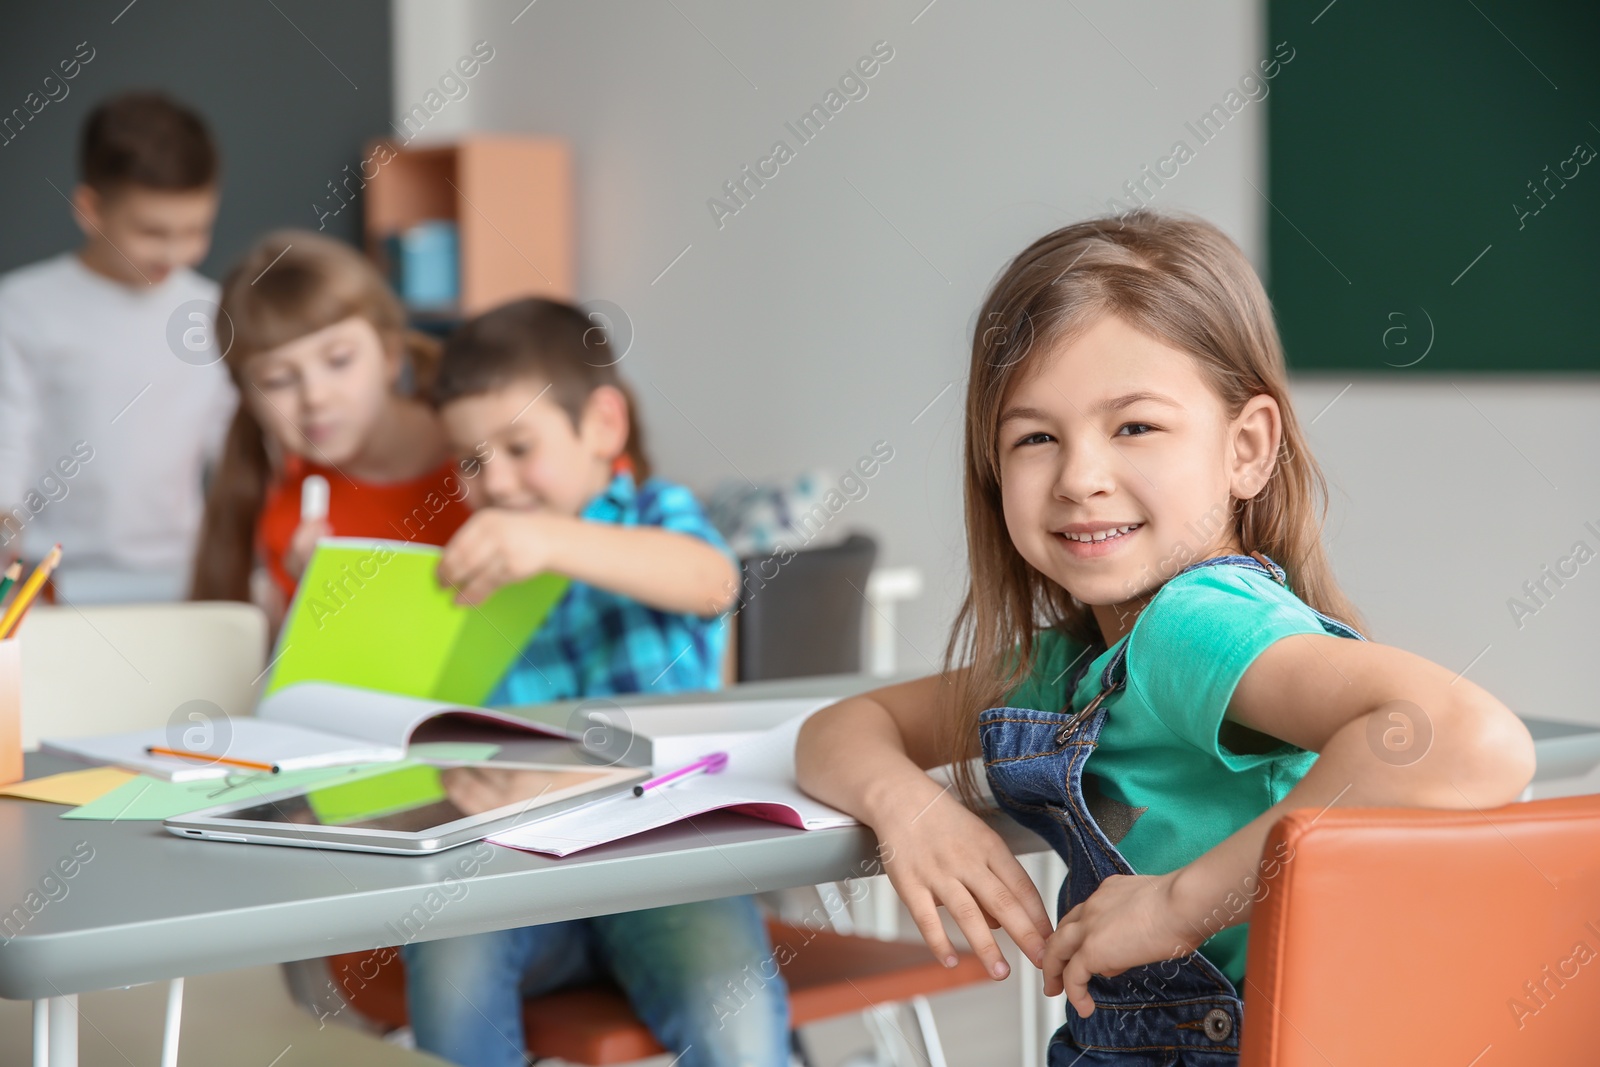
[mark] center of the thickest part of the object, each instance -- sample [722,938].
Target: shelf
[510,197]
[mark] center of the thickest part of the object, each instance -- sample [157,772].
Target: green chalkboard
[1406,143]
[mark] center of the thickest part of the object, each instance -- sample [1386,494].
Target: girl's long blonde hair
[1178,279]
[292,283]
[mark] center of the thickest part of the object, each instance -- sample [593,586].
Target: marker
[314,492]
[706,765]
[13,572]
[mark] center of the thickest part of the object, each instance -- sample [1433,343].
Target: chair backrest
[801,613]
[1427,936]
[105,669]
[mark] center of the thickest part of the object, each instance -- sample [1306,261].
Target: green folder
[371,614]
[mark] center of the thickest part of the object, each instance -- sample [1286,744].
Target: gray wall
[287,118]
[836,307]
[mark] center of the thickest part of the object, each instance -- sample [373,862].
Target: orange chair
[1416,937]
[828,974]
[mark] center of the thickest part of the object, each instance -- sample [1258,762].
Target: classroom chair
[112,668]
[1406,936]
[801,613]
[798,617]
[829,974]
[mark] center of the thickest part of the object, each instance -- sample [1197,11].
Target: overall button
[1219,1024]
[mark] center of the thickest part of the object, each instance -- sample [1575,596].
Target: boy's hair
[1177,279]
[146,139]
[290,284]
[537,340]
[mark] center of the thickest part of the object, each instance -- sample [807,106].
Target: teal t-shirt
[1162,784]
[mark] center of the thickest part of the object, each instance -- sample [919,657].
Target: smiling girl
[1166,660]
[326,370]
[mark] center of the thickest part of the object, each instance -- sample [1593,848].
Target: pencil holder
[10,711]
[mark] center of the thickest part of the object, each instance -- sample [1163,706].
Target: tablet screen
[415,798]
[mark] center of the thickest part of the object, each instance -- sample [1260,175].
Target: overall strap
[1115,676]
[1262,564]
[1255,561]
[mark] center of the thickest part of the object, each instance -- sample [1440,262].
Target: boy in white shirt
[111,393]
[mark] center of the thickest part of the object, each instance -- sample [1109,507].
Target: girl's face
[524,452]
[321,395]
[1118,431]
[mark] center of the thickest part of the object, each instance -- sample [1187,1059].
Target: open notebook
[666,735]
[312,724]
[759,781]
[372,648]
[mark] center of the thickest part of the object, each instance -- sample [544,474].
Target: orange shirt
[427,510]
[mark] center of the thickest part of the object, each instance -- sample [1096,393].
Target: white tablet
[410,809]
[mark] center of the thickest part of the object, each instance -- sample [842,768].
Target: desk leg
[41,1033]
[1028,979]
[169,1037]
[61,1044]
[877,911]
[1041,1015]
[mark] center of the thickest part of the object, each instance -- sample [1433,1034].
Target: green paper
[453,751]
[147,798]
[346,802]
[371,614]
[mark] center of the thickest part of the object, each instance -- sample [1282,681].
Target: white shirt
[104,430]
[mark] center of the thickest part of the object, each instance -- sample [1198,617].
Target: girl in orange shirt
[329,380]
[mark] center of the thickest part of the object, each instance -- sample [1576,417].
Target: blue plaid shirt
[599,643]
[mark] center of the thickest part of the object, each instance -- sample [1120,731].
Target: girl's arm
[1392,730]
[663,569]
[868,756]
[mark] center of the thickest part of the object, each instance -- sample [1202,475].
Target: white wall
[834,307]
[810,326]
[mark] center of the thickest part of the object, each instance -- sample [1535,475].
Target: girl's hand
[496,547]
[1129,920]
[937,852]
[301,544]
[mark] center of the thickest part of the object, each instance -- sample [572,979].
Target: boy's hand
[1129,920]
[301,544]
[496,547]
[938,852]
[479,789]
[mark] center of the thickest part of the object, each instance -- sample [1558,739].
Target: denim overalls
[1176,1011]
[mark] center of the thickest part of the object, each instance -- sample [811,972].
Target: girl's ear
[605,423]
[1254,436]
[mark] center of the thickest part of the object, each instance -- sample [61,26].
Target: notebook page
[759,781]
[291,746]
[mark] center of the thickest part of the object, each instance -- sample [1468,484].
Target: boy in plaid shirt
[530,396]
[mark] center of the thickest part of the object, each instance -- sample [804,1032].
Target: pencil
[157,750]
[13,572]
[30,590]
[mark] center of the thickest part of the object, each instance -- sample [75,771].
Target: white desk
[151,906]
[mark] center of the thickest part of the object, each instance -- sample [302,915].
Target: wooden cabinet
[511,198]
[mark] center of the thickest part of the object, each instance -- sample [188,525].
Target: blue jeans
[702,976]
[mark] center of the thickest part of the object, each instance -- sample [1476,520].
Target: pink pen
[706,765]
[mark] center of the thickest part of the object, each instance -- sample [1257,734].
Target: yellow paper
[72,787]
